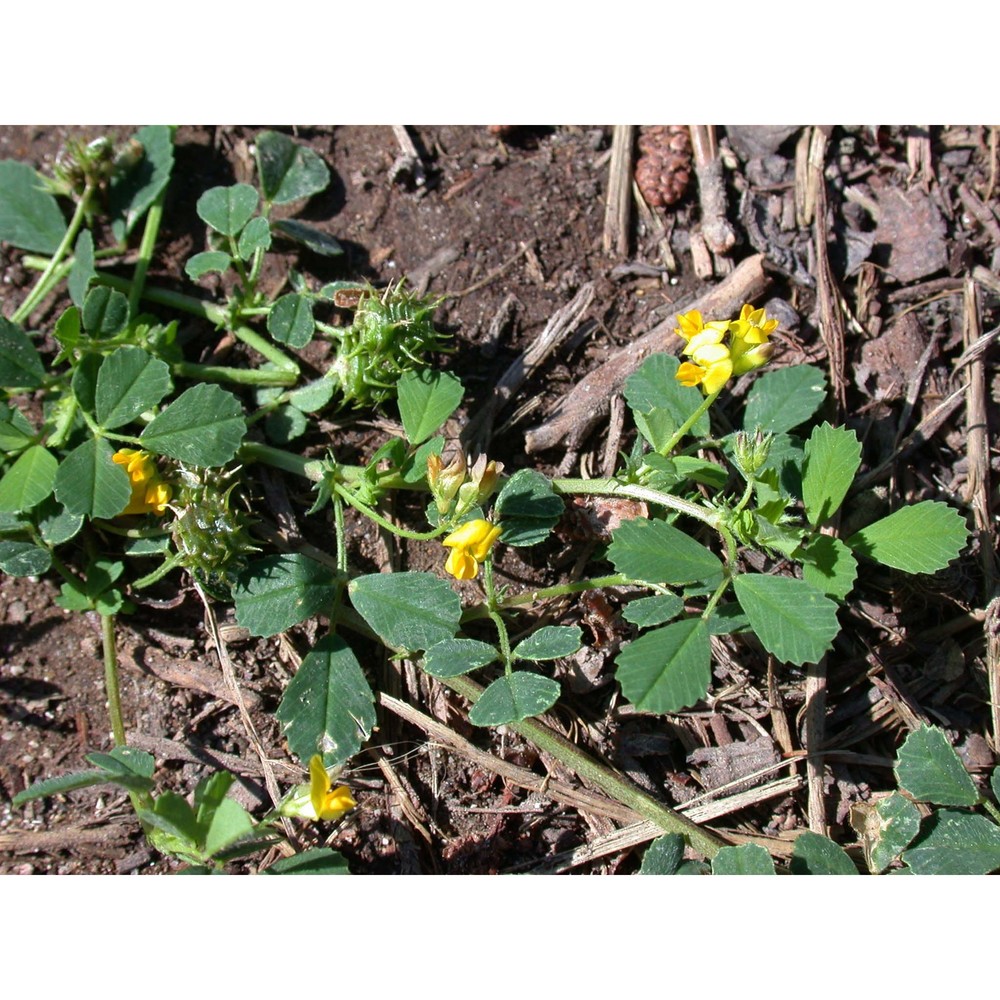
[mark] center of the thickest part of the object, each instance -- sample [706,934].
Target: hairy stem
[111,678]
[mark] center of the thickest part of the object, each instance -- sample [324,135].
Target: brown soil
[511,225]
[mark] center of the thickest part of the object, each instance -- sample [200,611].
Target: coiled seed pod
[391,334]
[209,531]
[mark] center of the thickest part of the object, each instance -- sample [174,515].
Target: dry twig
[978,494]
[719,234]
[616,210]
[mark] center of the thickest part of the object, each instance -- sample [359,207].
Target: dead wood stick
[831,319]
[560,325]
[408,159]
[579,798]
[719,234]
[978,494]
[579,412]
[616,208]
[248,725]
[813,737]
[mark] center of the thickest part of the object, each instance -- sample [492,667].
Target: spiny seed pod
[208,531]
[391,334]
[664,166]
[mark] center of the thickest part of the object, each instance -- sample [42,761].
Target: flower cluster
[470,544]
[458,487]
[149,493]
[714,362]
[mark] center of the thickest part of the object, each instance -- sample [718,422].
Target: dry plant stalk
[719,234]
[831,319]
[616,209]
[580,411]
[978,493]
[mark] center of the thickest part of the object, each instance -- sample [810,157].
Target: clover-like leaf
[663,856]
[83,271]
[955,843]
[527,508]
[89,483]
[20,365]
[833,455]
[407,610]
[204,426]
[453,657]
[931,771]
[309,236]
[653,389]
[129,382]
[29,216]
[550,642]
[815,854]
[228,209]
[794,621]
[921,538]
[277,592]
[287,170]
[132,192]
[513,698]
[290,320]
[746,859]
[668,668]
[426,400]
[660,553]
[781,400]
[207,262]
[328,707]
[29,480]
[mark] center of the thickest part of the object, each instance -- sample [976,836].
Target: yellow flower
[753,325]
[470,544]
[318,799]
[327,802]
[710,366]
[750,345]
[696,332]
[149,493]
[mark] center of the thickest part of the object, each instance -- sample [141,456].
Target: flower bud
[751,451]
[445,480]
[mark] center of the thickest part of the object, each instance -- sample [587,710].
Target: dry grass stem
[616,209]
[978,494]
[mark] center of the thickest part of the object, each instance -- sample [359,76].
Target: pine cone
[664,166]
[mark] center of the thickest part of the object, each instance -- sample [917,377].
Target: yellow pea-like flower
[470,544]
[150,495]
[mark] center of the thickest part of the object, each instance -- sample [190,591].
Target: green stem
[160,572]
[374,515]
[745,499]
[564,589]
[43,284]
[264,347]
[613,488]
[111,679]
[278,458]
[690,422]
[617,786]
[339,534]
[236,376]
[491,609]
[173,300]
[154,218]
[991,809]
